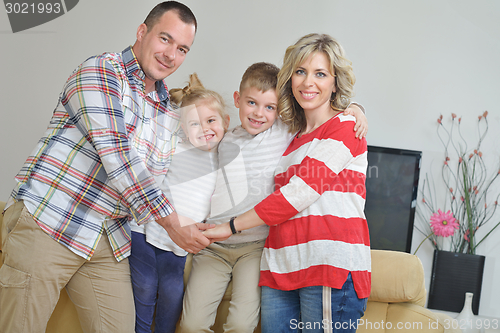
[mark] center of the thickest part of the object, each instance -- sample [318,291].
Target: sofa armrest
[397,277]
[447,323]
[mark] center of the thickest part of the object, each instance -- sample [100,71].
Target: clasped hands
[192,236]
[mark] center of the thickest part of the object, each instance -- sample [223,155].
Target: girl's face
[313,83]
[204,126]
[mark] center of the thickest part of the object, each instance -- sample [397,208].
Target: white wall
[413,59]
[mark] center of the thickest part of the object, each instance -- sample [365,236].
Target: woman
[315,269]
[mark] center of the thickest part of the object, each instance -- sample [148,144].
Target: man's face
[162,48]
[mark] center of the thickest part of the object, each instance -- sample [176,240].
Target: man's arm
[93,100]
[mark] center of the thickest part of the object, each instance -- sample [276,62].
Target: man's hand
[220,233]
[361,127]
[189,237]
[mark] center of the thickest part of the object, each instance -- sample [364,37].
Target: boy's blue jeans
[301,310]
[157,281]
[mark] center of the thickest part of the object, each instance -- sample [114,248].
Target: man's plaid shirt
[106,149]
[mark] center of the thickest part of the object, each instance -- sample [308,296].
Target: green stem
[422,242]
[482,239]
[471,249]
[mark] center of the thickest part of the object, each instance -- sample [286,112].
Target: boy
[248,156]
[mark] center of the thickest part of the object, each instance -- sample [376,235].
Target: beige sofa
[396,303]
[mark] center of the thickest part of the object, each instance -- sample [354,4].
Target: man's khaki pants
[36,268]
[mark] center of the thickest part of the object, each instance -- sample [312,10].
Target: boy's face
[204,126]
[258,110]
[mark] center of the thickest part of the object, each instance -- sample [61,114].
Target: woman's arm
[244,221]
[323,164]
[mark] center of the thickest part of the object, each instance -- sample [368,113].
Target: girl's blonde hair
[194,93]
[290,111]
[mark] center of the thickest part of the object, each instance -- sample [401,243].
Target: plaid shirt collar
[133,70]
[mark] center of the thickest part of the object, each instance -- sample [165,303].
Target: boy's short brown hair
[261,75]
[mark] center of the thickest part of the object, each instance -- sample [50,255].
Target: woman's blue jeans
[301,310]
[157,281]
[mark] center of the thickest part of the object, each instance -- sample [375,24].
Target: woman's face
[313,84]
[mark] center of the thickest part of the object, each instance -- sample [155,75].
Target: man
[98,164]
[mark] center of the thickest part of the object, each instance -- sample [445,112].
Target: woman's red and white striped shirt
[318,231]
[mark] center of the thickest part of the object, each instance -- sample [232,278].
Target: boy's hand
[361,127]
[220,233]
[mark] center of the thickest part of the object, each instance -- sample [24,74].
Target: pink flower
[485,114]
[443,224]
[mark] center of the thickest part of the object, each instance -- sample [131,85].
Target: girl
[156,262]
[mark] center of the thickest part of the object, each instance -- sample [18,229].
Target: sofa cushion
[397,277]
[408,317]
[375,315]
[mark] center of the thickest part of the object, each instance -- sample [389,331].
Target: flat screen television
[391,196]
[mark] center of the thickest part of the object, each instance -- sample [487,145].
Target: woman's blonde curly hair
[290,111]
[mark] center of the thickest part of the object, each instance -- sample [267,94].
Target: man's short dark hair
[185,14]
